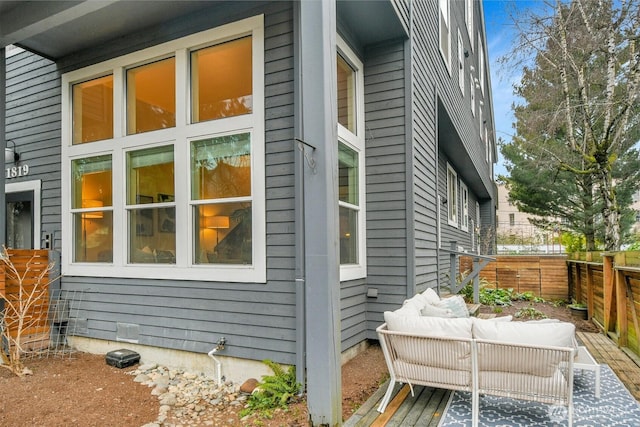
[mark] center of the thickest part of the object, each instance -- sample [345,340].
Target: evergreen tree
[580,118]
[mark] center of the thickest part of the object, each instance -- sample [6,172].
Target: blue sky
[500,34]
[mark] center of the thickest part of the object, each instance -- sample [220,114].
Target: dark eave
[55,29]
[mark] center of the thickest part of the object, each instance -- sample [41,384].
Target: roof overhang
[55,29]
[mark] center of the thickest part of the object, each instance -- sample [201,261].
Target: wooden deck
[428,404]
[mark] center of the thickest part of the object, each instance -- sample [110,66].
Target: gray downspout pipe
[3,142]
[299,148]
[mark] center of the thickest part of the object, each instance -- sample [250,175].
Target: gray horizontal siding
[258,320]
[33,124]
[386,144]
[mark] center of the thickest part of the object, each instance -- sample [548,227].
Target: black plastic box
[122,358]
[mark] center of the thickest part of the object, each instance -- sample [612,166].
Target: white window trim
[36,187]
[468,17]
[446,56]
[472,95]
[184,268]
[461,73]
[464,193]
[481,61]
[356,142]
[452,213]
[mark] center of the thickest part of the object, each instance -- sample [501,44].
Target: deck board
[427,406]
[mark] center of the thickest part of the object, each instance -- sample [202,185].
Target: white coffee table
[585,361]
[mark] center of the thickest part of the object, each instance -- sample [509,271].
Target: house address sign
[16,171]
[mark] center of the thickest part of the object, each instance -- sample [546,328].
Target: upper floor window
[464,195]
[445,32]
[460,62]
[351,166]
[468,18]
[452,196]
[481,63]
[472,95]
[166,167]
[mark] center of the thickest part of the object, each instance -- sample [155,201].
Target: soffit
[55,29]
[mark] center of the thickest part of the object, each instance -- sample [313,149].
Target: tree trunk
[611,211]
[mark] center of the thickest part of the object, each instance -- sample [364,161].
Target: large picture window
[351,167]
[164,157]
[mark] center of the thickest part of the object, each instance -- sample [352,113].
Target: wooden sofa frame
[536,373]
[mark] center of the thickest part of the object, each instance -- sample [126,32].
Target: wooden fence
[543,275]
[609,284]
[30,264]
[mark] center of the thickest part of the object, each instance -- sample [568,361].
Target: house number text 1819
[16,171]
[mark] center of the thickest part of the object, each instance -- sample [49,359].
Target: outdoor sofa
[521,360]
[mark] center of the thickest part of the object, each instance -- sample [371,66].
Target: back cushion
[522,360]
[431,326]
[558,334]
[447,354]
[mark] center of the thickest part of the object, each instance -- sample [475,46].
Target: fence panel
[614,304]
[544,275]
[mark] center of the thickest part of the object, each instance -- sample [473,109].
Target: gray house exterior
[348,186]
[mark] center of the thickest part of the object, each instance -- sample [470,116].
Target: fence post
[608,291]
[621,302]
[589,284]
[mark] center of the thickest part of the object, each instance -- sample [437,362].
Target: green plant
[497,310]
[274,391]
[558,302]
[529,313]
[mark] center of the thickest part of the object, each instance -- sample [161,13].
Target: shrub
[275,391]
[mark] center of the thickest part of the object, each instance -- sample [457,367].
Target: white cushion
[558,334]
[416,302]
[430,326]
[434,311]
[456,304]
[430,296]
[408,310]
[494,319]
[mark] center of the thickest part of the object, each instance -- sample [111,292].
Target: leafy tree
[580,119]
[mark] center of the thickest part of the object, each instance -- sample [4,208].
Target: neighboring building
[516,233]
[635,205]
[275,173]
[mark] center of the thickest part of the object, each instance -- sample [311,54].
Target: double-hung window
[464,195]
[452,196]
[461,73]
[163,156]
[445,32]
[351,170]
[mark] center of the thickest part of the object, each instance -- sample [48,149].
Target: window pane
[93,227]
[347,175]
[221,167]
[93,110]
[346,95]
[150,175]
[348,236]
[91,182]
[150,181]
[152,236]
[223,233]
[151,97]
[93,236]
[222,80]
